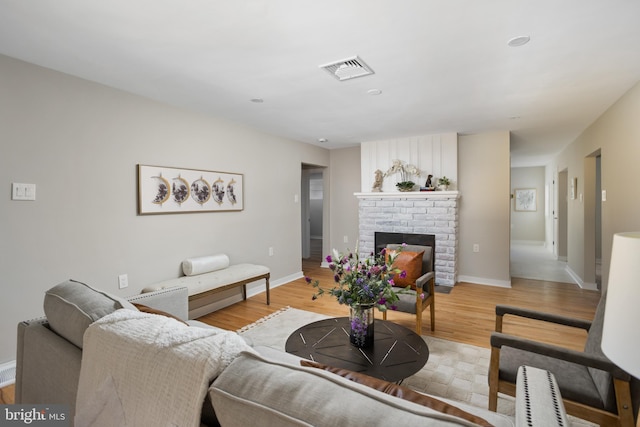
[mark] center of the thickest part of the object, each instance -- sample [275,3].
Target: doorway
[312,212]
[561,216]
[592,221]
[598,225]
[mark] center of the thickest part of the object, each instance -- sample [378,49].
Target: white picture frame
[164,190]
[525,200]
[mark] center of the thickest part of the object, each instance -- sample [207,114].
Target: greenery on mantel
[406,185]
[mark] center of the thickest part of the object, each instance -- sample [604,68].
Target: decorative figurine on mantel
[428,183]
[428,186]
[377,183]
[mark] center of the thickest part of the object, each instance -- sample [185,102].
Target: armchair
[416,300]
[592,387]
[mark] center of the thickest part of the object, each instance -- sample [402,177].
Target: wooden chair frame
[624,416]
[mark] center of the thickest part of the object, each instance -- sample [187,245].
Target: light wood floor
[467,314]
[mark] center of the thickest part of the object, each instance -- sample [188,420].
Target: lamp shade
[621,329]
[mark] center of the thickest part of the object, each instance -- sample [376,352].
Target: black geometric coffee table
[396,353]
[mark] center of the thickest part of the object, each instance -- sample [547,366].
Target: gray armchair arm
[499,340]
[502,310]
[423,280]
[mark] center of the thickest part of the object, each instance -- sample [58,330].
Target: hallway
[529,261]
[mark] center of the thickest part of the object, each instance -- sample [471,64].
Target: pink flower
[422,295]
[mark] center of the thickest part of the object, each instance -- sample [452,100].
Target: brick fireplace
[434,213]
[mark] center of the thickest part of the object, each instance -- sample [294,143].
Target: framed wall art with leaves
[164,189]
[525,200]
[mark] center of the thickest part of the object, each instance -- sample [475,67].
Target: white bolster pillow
[205,264]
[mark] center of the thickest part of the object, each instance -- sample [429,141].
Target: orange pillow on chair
[411,264]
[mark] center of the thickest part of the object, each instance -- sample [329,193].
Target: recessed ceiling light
[257,100]
[374,92]
[322,140]
[519,41]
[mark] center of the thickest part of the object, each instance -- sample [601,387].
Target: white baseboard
[259,289]
[528,242]
[7,373]
[581,283]
[485,281]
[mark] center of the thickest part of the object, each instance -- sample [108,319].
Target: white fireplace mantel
[410,195]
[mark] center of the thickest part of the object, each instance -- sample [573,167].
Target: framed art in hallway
[164,189]
[525,200]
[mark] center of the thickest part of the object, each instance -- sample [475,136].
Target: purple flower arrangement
[362,281]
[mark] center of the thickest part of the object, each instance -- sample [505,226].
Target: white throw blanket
[141,369]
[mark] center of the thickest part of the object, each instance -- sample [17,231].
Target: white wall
[530,225]
[484,168]
[344,182]
[616,135]
[79,142]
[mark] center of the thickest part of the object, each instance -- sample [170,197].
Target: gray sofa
[263,386]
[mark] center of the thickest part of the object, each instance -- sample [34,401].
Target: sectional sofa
[257,386]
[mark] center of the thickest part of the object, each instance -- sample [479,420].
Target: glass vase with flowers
[364,284]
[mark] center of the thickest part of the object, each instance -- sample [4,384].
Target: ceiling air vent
[348,68]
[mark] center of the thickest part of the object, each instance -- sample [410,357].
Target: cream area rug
[456,371]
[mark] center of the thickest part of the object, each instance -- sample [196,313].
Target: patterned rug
[456,371]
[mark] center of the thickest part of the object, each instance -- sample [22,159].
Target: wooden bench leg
[266,279]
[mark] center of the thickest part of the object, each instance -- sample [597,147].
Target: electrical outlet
[476,247]
[271,251]
[346,239]
[123,281]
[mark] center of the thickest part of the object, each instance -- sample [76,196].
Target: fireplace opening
[382,239]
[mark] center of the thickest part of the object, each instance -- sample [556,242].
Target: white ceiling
[442,65]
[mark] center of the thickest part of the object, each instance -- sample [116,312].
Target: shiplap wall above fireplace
[430,212]
[432,154]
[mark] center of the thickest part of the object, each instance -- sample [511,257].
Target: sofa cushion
[72,306]
[399,391]
[282,394]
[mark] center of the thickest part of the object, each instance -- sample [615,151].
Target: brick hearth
[415,212]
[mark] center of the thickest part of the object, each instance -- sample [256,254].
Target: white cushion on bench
[205,282]
[204,264]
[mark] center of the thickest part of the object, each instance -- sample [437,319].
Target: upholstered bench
[209,275]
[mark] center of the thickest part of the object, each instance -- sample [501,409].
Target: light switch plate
[123,281]
[23,191]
